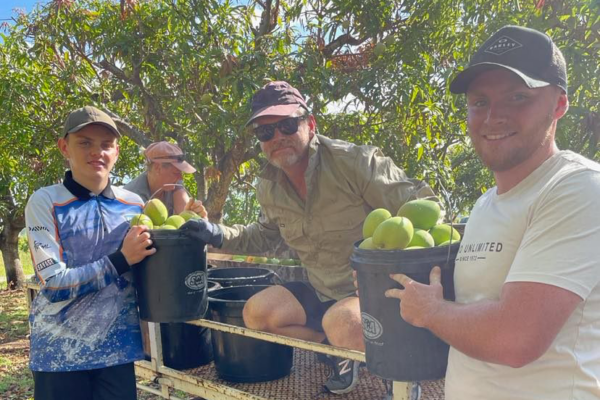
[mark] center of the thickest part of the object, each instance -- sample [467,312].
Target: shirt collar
[83,193]
[272,173]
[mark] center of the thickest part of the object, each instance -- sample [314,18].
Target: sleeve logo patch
[45,264]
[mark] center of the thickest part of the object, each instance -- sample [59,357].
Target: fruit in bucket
[443,233]
[393,233]
[373,220]
[167,227]
[188,214]
[421,238]
[141,219]
[157,211]
[367,244]
[423,214]
[175,221]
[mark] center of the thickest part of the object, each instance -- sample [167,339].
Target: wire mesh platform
[306,383]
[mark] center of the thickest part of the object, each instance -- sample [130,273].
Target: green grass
[25,262]
[16,382]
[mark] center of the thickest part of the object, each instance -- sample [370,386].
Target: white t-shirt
[545,230]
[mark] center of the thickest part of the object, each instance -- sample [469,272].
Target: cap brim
[460,84]
[80,127]
[280,110]
[184,167]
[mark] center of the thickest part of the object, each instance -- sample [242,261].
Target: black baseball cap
[82,117]
[523,51]
[277,98]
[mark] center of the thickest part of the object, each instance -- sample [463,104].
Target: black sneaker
[344,377]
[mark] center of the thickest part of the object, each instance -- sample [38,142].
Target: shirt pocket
[290,226]
[342,227]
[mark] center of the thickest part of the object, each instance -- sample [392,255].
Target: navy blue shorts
[110,383]
[313,306]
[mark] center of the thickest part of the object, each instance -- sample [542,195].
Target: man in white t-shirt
[526,321]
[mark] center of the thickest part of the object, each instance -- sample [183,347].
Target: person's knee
[256,313]
[342,323]
[272,309]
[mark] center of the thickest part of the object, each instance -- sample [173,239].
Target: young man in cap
[526,322]
[314,194]
[85,332]
[162,180]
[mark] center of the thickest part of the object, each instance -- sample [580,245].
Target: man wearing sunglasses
[314,194]
[162,180]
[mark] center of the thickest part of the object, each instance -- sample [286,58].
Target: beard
[284,160]
[500,161]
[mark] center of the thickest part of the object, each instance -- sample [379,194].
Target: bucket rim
[364,260]
[212,271]
[232,288]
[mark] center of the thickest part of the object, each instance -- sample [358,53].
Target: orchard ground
[16,382]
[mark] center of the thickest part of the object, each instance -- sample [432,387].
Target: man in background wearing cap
[314,195]
[526,322]
[162,180]
[165,164]
[85,332]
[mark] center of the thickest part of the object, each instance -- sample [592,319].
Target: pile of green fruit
[265,260]
[415,226]
[156,216]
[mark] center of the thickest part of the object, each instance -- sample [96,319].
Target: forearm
[254,238]
[485,331]
[180,199]
[75,282]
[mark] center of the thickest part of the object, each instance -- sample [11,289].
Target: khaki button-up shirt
[344,183]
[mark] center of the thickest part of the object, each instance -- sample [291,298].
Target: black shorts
[110,383]
[313,306]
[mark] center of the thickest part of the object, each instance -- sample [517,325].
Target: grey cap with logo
[524,51]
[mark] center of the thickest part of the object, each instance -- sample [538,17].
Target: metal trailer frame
[168,378]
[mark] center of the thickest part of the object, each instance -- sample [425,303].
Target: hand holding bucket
[418,301]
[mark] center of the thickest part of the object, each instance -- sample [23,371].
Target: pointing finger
[401,279]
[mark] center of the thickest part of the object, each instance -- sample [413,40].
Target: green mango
[175,220]
[421,238]
[423,214]
[141,219]
[187,215]
[157,211]
[443,232]
[394,233]
[373,220]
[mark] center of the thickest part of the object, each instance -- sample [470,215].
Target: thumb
[189,204]
[435,276]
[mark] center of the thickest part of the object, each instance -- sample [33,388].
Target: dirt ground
[16,382]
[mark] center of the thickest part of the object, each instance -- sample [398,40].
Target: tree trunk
[228,165]
[9,246]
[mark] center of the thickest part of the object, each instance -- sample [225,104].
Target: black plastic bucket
[187,346]
[240,276]
[171,283]
[396,350]
[239,358]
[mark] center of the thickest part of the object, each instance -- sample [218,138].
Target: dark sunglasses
[178,158]
[287,126]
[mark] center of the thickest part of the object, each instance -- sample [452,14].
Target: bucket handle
[179,185]
[277,279]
